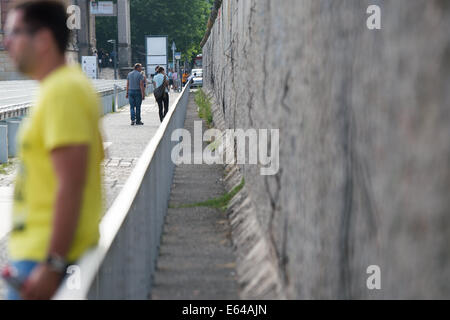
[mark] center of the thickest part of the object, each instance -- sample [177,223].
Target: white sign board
[156,47]
[89,65]
[103,8]
[157,60]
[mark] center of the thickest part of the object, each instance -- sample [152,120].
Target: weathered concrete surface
[364,122]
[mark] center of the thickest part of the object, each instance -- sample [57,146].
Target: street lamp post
[115,57]
[174,47]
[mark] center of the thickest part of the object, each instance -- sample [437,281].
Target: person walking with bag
[161,93]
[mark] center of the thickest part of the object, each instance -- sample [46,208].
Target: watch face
[57,263]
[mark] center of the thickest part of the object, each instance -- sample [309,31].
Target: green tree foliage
[183,21]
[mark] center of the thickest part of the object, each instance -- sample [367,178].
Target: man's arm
[143,90]
[128,85]
[70,165]
[166,81]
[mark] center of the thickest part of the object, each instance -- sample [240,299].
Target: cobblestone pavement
[124,145]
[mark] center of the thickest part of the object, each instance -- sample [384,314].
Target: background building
[82,43]
[7,70]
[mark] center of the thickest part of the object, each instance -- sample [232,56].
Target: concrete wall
[364,119]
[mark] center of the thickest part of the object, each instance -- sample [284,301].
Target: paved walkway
[124,144]
[196,261]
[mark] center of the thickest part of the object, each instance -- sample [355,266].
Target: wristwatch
[56,263]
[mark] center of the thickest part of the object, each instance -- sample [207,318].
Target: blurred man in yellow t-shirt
[57,197]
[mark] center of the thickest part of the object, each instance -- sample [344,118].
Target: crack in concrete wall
[364,155]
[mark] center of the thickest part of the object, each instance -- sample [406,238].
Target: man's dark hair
[50,14]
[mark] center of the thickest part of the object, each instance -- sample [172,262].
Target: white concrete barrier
[123,263]
[13,125]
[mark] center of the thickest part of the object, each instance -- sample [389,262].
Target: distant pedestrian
[100,59]
[185,77]
[161,80]
[107,59]
[145,79]
[136,93]
[175,80]
[113,58]
[170,74]
[190,79]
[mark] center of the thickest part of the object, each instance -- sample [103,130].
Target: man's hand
[127,96]
[42,284]
[142,90]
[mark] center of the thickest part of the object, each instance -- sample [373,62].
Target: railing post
[3,143]
[116,98]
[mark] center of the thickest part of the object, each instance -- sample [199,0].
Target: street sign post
[174,47]
[178,58]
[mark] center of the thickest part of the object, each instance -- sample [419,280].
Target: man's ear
[43,41]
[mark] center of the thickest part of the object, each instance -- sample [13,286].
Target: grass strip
[204,107]
[216,203]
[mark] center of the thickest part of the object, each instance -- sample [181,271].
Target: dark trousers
[163,104]
[135,98]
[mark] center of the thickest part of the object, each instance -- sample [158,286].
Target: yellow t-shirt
[67,113]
